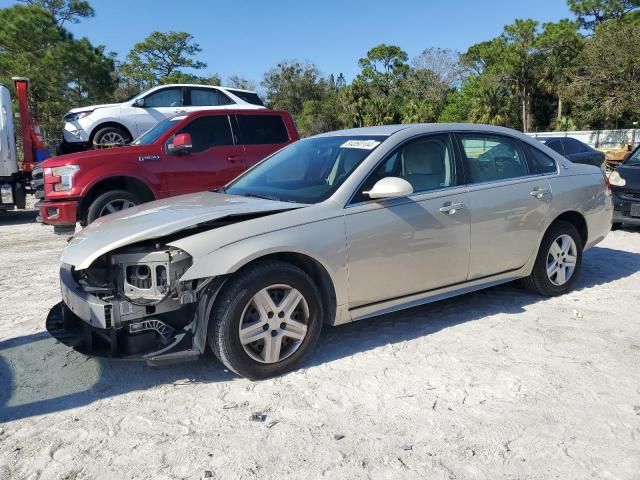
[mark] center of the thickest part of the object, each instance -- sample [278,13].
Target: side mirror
[181,144]
[139,102]
[390,187]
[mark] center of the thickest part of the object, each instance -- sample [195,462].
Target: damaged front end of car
[131,303]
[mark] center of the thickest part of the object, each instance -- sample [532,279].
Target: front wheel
[111,136]
[110,202]
[558,262]
[266,321]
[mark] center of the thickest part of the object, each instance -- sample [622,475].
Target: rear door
[200,98]
[509,203]
[260,135]
[214,160]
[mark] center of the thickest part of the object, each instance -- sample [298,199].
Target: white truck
[13,182]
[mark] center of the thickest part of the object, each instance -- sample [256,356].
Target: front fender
[322,241]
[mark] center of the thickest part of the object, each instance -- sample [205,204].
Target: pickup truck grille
[37,182]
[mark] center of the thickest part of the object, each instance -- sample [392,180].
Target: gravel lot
[495,384]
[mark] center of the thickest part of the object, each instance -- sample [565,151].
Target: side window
[208,132]
[492,157]
[571,146]
[169,97]
[426,163]
[204,97]
[542,162]
[262,129]
[556,146]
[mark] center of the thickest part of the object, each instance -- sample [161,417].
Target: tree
[65,10]
[161,57]
[604,84]
[33,45]
[513,57]
[236,81]
[289,85]
[592,13]
[560,43]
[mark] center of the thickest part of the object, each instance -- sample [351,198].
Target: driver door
[213,161]
[161,104]
[404,246]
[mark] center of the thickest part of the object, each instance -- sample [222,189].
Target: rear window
[262,129]
[571,146]
[249,97]
[542,163]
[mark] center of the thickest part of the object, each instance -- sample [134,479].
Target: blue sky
[247,37]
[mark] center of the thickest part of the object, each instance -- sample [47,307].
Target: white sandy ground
[495,384]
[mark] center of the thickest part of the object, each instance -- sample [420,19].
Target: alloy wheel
[274,323]
[115,206]
[111,139]
[561,259]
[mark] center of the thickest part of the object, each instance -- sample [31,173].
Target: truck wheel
[112,136]
[266,321]
[111,202]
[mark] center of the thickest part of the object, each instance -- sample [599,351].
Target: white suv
[119,123]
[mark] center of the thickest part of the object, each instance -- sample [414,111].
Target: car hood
[90,108]
[99,155]
[158,219]
[631,177]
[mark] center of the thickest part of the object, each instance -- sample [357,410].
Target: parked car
[183,154]
[575,150]
[334,228]
[119,123]
[625,186]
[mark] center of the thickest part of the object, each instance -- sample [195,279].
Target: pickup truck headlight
[66,174]
[74,117]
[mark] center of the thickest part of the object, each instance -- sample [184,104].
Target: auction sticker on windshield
[363,144]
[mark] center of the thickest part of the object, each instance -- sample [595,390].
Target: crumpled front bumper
[95,327]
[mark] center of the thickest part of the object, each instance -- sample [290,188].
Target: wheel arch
[311,266]
[577,220]
[116,182]
[108,123]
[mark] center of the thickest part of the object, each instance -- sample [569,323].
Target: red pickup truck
[195,152]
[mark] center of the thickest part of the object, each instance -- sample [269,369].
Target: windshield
[153,134]
[308,171]
[634,159]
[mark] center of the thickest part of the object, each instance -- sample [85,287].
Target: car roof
[240,110]
[418,128]
[231,89]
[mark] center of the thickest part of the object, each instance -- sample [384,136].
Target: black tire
[226,315]
[102,138]
[97,207]
[539,282]
[616,226]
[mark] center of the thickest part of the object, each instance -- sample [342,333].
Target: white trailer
[12,183]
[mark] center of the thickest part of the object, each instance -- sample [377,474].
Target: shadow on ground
[39,375]
[18,217]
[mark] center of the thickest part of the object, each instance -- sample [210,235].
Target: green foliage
[160,58]
[64,72]
[592,13]
[64,10]
[605,82]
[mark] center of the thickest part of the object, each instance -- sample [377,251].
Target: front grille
[37,182]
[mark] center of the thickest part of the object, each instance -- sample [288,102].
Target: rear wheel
[616,226]
[110,202]
[266,321]
[559,260]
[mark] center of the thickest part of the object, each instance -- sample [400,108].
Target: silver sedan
[332,229]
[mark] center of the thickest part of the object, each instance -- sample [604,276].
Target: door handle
[539,192]
[451,208]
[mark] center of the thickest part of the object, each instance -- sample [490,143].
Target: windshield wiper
[262,196]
